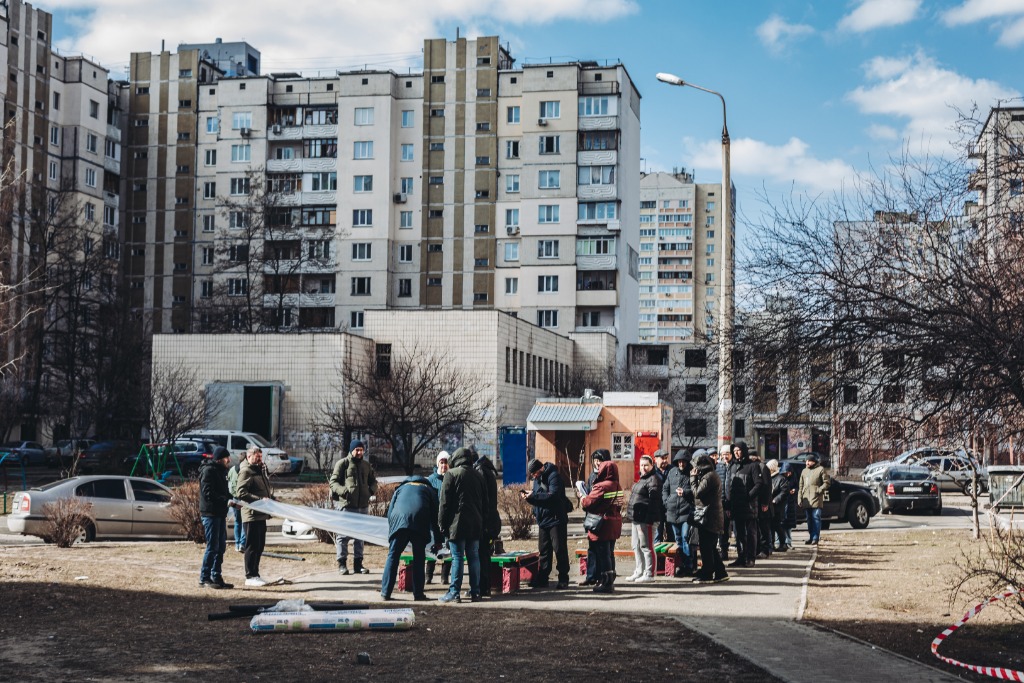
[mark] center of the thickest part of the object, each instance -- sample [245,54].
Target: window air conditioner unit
[512,229]
[542,122]
[401,198]
[245,132]
[277,129]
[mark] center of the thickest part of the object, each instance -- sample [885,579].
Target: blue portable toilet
[512,450]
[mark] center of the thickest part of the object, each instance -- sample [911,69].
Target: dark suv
[845,502]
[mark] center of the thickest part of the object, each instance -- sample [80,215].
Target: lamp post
[726,294]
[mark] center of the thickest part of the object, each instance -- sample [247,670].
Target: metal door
[512,451]
[646,443]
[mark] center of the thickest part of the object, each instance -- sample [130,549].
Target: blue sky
[816,91]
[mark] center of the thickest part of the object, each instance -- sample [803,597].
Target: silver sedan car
[121,507]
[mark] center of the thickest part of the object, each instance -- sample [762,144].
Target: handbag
[592,522]
[699,515]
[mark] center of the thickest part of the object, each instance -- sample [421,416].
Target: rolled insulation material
[341,620]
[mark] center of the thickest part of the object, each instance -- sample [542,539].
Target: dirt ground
[892,589]
[133,612]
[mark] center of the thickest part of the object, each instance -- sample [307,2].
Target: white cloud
[1012,35]
[872,14]
[1005,15]
[306,34]
[923,93]
[788,163]
[879,132]
[775,33]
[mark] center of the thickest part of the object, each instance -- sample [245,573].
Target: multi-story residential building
[472,185]
[680,247]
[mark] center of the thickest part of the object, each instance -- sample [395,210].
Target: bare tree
[409,401]
[177,403]
[323,444]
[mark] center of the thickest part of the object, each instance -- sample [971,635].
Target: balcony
[977,180]
[112,165]
[596,298]
[279,132]
[597,262]
[597,192]
[111,199]
[598,122]
[605,329]
[597,157]
[598,88]
[284,165]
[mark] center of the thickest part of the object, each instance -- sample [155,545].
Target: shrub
[185,510]
[385,492]
[318,496]
[518,514]
[66,520]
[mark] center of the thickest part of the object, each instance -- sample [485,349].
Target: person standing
[645,511]
[764,508]
[604,499]
[744,493]
[709,518]
[677,495]
[253,485]
[412,519]
[814,483]
[492,520]
[353,485]
[436,478]
[662,466]
[722,470]
[597,457]
[213,508]
[461,519]
[551,508]
[239,528]
[781,496]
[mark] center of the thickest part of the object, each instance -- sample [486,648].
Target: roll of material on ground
[341,620]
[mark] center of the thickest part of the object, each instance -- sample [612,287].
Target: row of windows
[529,370]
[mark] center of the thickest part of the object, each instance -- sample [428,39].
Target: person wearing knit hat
[353,486]
[436,479]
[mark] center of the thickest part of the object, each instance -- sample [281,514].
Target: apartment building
[680,246]
[473,185]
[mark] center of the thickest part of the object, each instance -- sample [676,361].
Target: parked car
[27,452]
[874,472]
[238,443]
[955,472]
[823,460]
[121,507]
[845,502]
[186,455]
[107,456]
[298,530]
[909,487]
[65,451]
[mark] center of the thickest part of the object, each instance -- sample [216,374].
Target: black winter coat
[744,489]
[492,520]
[213,489]
[677,508]
[463,500]
[550,505]
[414,507]
[645,504]
[764,494]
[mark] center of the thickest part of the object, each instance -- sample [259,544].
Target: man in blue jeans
[213,509]
[412,519]
[236,509]
[460,517]
[814,483]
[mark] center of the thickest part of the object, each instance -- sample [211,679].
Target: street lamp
[726,292]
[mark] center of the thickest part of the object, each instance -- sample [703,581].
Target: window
[362,217]
[433,282]
[850,394]
[547,249]
[54,135]
[408,118]
[406,186]
[185,73]
[206,289]
[405,253]
[511,218]
[481,228]
[209,190]
[364,116]
[695,358]
[851,430]
[547,318]
[56,100]
[483,161]
[892,393]
[512,114]
[590,319]
[436,180]
[53,170]
[212,124]
[241,153]
[363,149]
[435,213]
[407,154]
[109,215]
[90,177]
[437,113]
[596,175]
[696,393]
[511,251]
[436,146]
[238,219]
[549,180]
[361,251]
[547,213]
[91,143]
[481,263]
[549,144]
[319,250]
[363,183]
[709,221]
[547,283]
[695,426]
[405,219]
[90,210]
[593,106]
[434,248]
[622,446]
[237,287]
[238,253]
[711,234]
[360,286]
[483,125]
[209,222]
[241,119]
[210,157]
[324,181]
[323,148]
[355,320]
[511,285]
[437,79]
[551,109]
[512,183]
[597,211]
[208,256]
[512,149]
[239,186]
[483,92]
[404,288]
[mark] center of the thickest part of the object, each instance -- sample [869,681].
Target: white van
[238,443]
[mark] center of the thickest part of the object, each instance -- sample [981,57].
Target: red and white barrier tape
[995,672]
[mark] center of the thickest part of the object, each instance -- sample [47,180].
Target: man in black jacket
[764,509]
[213,508]
[460,517]
[551,508]
[744,494]
[492,520]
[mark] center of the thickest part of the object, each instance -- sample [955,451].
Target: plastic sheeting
[347,620]
[366,528]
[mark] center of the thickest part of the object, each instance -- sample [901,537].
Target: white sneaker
[634,577]
[255,581]
[646,578]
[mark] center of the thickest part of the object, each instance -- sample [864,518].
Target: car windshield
[908,474]
[259,439]
[62,443]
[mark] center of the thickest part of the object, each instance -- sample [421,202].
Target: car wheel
[969,489]
[84,533]
[826,525]
[858,514]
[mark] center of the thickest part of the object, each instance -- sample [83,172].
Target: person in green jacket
[353,486]
[253,485]
[814,483]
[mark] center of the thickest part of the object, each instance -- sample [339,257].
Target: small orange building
[565,431]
